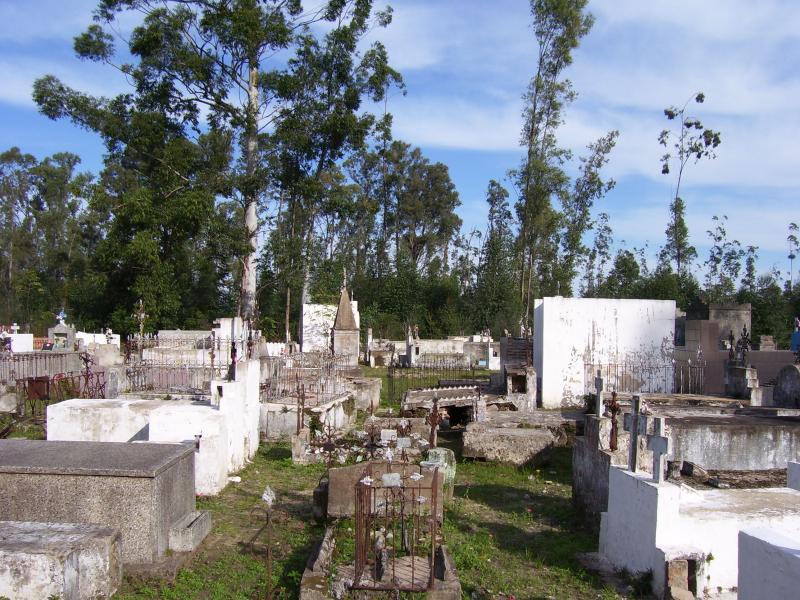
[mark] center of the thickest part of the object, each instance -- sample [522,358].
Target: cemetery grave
[394,512]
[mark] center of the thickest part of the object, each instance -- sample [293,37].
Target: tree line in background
[244,173]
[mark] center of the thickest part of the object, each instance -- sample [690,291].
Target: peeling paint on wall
[570,333]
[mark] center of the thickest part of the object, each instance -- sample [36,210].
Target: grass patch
[30,429]
[513,532]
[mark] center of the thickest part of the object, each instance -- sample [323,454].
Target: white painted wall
[21,342]
[89,420]
[228,398]
[250,371]
[96,339]
[628,529]
[769,565]
[648,523]
[278,420]
[569,332]
[173,422]
[272,348]
[229,426]
[317,322]
[228,327]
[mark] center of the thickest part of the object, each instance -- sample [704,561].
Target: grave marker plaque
[388,435]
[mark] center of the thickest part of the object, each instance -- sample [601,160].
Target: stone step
[189,532]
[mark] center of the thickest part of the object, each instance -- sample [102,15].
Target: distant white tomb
[574,336]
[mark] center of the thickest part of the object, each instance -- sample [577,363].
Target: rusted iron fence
[396,530]
[213,347]
[35,394]
[178,376]
[319,377]
[674,377]
[22,365]
[432,373]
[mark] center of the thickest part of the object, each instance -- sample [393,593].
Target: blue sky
[466,64]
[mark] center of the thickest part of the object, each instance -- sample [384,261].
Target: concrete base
[316,584]
[769,564]
[189,532]
[62,560]
[366,392]
[650,527]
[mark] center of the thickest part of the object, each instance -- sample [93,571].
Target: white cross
[14,328]
[598,386]
[661,446]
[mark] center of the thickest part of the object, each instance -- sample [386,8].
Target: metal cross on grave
[598,386]
[637,426]
[661,446]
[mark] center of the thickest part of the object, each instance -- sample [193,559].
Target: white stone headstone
[391,480]
[388,435]
[403,442]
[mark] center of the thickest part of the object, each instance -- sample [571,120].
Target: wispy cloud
[29,22]
[19,72]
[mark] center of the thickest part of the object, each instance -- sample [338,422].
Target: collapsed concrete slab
[61,560]
[513,446]
[517,438]
[144,490]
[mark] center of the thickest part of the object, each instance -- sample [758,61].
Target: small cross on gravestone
[598,386]
[661,446]
[637,427]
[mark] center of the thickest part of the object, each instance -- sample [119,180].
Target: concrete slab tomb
[144,490]
[649,526]
[59,560]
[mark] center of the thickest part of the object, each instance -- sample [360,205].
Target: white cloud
[19,72]
[38,20]
[456,122]
[714,20]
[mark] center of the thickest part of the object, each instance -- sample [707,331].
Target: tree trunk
[288,280]
[247,308]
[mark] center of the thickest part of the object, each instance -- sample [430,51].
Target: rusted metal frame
[368,509]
